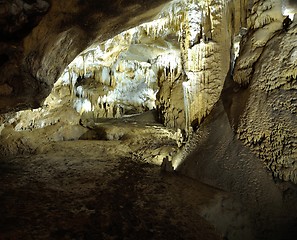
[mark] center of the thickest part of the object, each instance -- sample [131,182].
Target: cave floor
[96,189]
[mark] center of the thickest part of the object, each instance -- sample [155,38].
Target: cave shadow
[221,160]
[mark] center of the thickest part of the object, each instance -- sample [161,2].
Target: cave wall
[230,75]
[216,157]
[269,70]
[45,37]
[247,143]
[209,43]
[269,130]
[262,112]
[198,39]
[190,84]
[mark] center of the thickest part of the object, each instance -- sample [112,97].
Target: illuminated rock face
[289,8]
[204,67]
[176,63]
[267,67]
[124,74]
[32,60]
[270,129]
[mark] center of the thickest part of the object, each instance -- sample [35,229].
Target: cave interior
[148,120]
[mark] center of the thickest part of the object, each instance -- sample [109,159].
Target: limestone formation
[32,61]
[177,63]
[219,75]
[180,53]
[270,128]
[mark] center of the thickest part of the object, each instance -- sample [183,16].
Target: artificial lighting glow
[124,70]
[289,9]
[177,160]
[171,60]
[290,13]
[82,105]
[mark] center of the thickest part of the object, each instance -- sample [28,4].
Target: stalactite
[200,28]
[186,105]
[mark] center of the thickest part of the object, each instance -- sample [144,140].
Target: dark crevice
[3,59]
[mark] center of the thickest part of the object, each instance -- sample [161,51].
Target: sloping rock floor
[98,189]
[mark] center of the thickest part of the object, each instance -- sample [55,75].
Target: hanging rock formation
[179,61]
[176,64]
[221,73]
[37,48]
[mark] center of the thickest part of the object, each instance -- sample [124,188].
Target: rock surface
[98,189]
[32,62]
[215,156]
[221,74]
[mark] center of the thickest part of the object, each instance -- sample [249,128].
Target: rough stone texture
[215,156]
[186,51]
[270,129]
[170,103]
[267,64]
[247,143]
[203,65]
[18,17]
[32,64]
[259,106]
[26,131]
[136,70]
[264,21]
[205,31]
[105,190]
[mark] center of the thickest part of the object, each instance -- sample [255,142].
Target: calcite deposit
[174,63]
[219,75]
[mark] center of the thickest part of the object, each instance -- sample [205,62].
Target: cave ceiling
[106,59]
[40,38]
[218,78]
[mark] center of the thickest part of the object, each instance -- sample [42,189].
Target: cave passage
[129,117]
[115,189]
